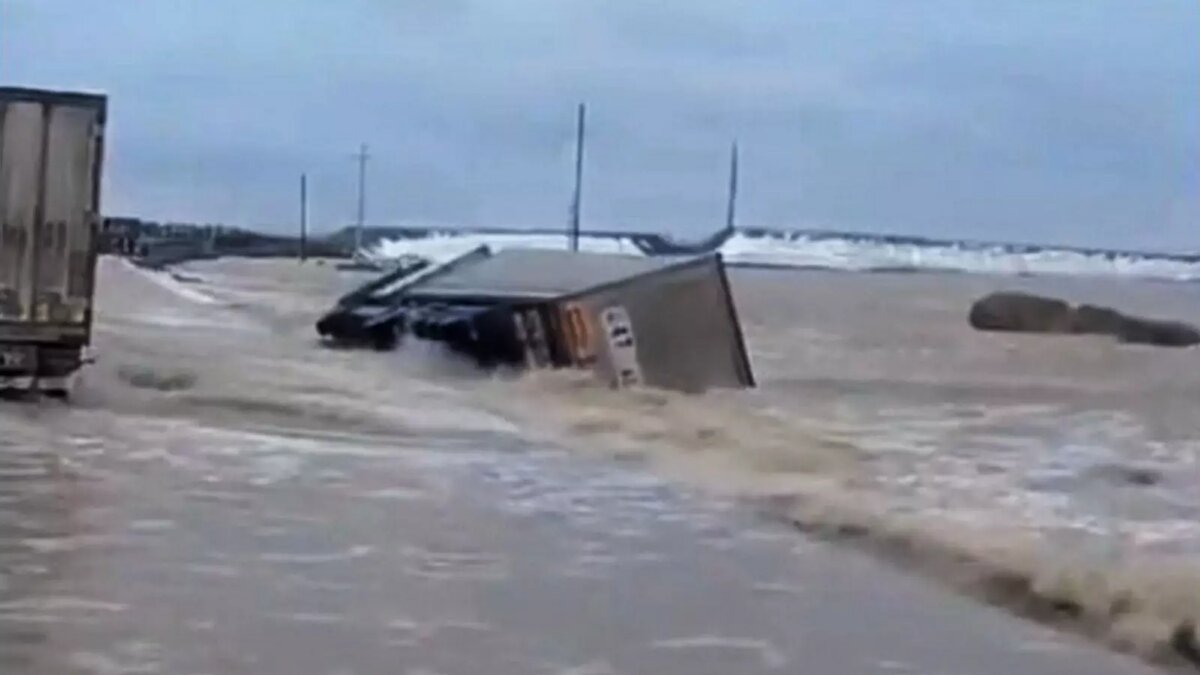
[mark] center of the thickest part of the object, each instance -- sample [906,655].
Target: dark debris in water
[158,380]
[1126,474]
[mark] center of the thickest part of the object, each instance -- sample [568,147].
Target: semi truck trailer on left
[51,159]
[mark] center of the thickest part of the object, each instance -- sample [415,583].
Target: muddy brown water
[222,496]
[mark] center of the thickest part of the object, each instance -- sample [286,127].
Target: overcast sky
[1074,121]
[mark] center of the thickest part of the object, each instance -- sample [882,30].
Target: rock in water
[1026,313]
[1021,312]
[1093,320]
[1159,333]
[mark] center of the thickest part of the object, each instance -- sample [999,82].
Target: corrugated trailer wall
[21,134]
[51,147]
[69,225]
[683,331]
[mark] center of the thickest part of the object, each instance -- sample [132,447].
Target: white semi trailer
[51,155]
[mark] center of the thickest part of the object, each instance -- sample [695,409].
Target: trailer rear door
[50,155]
[20,185]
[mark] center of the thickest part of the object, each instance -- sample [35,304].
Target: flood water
[1048,432]
[224,497]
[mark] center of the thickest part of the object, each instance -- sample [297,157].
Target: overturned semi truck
[634,320]
[51,153]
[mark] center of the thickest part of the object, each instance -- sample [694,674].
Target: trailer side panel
[678,324]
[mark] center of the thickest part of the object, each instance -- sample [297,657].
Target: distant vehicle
[51,154]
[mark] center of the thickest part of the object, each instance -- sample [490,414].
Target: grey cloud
[1072,121]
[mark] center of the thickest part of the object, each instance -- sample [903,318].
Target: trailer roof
[534,274]
[82,99]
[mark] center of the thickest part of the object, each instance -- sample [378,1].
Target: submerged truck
[668,323]
[51,154]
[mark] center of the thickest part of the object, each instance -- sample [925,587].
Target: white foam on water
[352,553]
[590,668]
[170,283]
[61,604]
[859,253]
[770,656]
[869,254]
[316,618]
[854,253]
[978,530]
[444,247]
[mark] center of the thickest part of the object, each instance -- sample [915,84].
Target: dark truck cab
[51,154]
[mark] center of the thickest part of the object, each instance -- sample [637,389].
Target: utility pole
[362,158]
[577,202]
[303,217]
[731,210]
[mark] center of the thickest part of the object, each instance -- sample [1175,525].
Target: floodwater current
[224,497]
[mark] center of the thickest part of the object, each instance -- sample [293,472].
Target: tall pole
[577,202]
[731,211]
[362,158]
[303,217]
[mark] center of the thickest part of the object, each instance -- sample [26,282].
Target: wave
[827,251]
[440,247]
[824,478]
